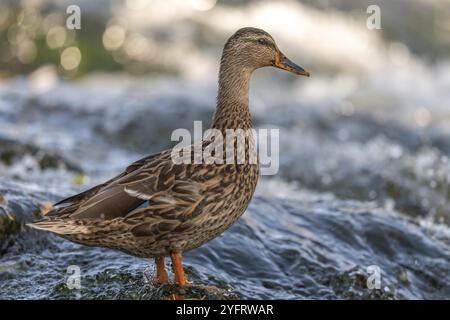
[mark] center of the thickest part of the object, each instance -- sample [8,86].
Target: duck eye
[263,41]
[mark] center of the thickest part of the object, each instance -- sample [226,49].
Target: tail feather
[60,226]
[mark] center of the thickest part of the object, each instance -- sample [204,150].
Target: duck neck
[232,100]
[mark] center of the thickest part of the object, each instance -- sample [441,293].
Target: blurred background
[371,125]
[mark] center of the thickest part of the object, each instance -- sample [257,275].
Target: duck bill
[282,62]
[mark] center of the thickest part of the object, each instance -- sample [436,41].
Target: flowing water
[362,184]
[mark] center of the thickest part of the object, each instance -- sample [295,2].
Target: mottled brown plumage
[157,208]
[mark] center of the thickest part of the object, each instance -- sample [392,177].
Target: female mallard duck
[158,208]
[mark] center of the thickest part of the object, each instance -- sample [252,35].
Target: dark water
[337,207]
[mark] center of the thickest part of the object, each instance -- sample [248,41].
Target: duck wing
[171,190]
[177,195]
[73,204]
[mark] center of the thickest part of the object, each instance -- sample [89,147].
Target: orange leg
[177,263]
[161,274]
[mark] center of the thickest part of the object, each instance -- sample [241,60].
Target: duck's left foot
[177,263]
[161,274]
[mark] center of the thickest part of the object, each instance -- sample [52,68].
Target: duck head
[253,48]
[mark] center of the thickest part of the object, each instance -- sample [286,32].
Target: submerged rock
[12,151]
